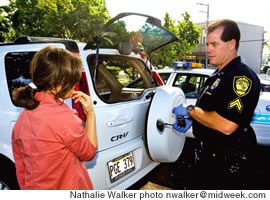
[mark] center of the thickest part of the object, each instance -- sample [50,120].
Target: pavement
[179,175]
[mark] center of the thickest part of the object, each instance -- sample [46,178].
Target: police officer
[223,112]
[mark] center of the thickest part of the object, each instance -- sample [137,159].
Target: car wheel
[3,186]
[8,179]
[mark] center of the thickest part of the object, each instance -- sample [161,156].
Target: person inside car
[49,141]
[223,112]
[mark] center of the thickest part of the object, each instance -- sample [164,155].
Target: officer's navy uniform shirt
[233,93]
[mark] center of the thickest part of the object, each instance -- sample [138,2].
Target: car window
[164,77]
[120,78]
[190,83]
[17,70]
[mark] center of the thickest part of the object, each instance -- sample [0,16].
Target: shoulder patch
[236,103]
[241,85]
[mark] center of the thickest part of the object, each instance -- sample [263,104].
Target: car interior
[17,70]
[120,78]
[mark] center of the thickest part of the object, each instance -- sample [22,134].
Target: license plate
[121,166]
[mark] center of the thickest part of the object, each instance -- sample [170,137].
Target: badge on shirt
[241,85]
[215,84]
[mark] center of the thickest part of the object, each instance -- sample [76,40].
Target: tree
[188,35]
[73,19]
[3,26]
[6,30]
[267,43]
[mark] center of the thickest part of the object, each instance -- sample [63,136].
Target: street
[178,175]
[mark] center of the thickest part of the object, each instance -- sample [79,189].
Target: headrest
[124,48]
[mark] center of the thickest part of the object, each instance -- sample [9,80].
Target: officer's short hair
[230,30]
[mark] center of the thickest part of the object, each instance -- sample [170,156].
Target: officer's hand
[178,128]
[180,111]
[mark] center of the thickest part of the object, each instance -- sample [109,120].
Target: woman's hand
[90,123]
[85,100]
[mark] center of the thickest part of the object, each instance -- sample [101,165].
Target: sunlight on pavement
[153,186]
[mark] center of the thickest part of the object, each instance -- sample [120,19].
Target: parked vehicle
[126,97]
[190,80]
[265,84]
[265,68]
[266,75]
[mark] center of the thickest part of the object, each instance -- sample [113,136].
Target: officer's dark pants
[218,167]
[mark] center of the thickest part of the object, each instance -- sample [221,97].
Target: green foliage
[128,74]
[113,70]
[4,25]
[117,32]
[188,35]
[81,19]
[266,43]
[6,31]
[74,19]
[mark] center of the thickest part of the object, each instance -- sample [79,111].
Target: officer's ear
[233,44]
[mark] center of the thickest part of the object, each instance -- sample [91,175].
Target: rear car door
[15,60]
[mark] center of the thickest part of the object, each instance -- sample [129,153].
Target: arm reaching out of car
[90,124]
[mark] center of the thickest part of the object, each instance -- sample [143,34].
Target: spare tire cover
[166,145]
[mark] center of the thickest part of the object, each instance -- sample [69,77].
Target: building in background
[250,49]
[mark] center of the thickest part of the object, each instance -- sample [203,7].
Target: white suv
[127,98]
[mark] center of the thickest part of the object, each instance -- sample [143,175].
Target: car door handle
[120,121]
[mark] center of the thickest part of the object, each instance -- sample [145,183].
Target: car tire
[8,179]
